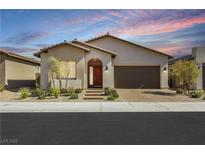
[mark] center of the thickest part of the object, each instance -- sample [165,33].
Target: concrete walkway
[101,106]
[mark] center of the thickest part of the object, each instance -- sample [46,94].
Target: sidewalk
[101,106]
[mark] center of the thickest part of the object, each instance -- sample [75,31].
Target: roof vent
[65,41]
[75,39]
[108,33]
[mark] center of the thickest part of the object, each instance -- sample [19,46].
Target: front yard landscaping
[54,94]
[111,93]
[191,93]
[50,93]
[118,95]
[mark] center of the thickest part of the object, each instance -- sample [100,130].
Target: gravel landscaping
[125,95]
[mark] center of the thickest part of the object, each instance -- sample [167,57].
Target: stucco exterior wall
[2,69]
[65,53]
[199,57]
[108,75]
[17,69]
[131,55]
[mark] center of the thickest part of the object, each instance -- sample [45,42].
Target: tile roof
[95,47]
[186,57]
[62,43]
[19,56]
[109,35]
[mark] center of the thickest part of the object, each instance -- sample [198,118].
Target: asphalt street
[153,128]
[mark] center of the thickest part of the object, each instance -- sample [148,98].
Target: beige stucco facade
[106,59]
[131,55]
[2,69]
[199,57]
[71,53]
[64,53]
[15,69]
[111,52]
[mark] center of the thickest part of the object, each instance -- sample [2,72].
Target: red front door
[95,73]
[97,76]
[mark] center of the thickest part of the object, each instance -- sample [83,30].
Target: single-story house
[198,55]
[16,70]
[108,61]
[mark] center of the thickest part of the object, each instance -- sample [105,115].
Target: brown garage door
[137,76]
[204,76]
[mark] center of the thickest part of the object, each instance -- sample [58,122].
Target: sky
[174,32]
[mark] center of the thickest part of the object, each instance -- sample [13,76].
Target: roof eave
[44,50]
[20,57]
[102,36]
[92,46]
[37,54]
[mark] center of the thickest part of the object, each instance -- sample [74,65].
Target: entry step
[93,97]
[94,94]
[94,91]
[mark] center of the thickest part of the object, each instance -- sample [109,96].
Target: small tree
[66,72]
[61,74]
[57,68]
[185,72]
[54,68]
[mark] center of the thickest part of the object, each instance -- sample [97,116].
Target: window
[91,75]
[70,67]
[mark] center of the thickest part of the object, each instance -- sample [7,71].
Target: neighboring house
[16,70]
[198,55]
[108,61]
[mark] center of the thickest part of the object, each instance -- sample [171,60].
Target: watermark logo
[8,140]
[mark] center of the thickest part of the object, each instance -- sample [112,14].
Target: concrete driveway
[153,95]
[102,106]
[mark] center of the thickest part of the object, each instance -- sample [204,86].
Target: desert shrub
[42,95]
[24,92]
[74,96]
[71,91]
[111,98]
[64,91]
[114,93]
[196,94]
[36,92]
[111,93]
[39,93]
[2,87]
[56,93]
[107,90]
[78,90]
[179,91]
[50,91]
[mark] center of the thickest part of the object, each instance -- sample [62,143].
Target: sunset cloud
[170,31]
[87,19]
[156,23]
[19,50]
[25,37]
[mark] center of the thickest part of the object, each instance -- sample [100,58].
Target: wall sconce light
[106,68]
[164,68]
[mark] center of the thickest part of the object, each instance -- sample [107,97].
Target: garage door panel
[137,76]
